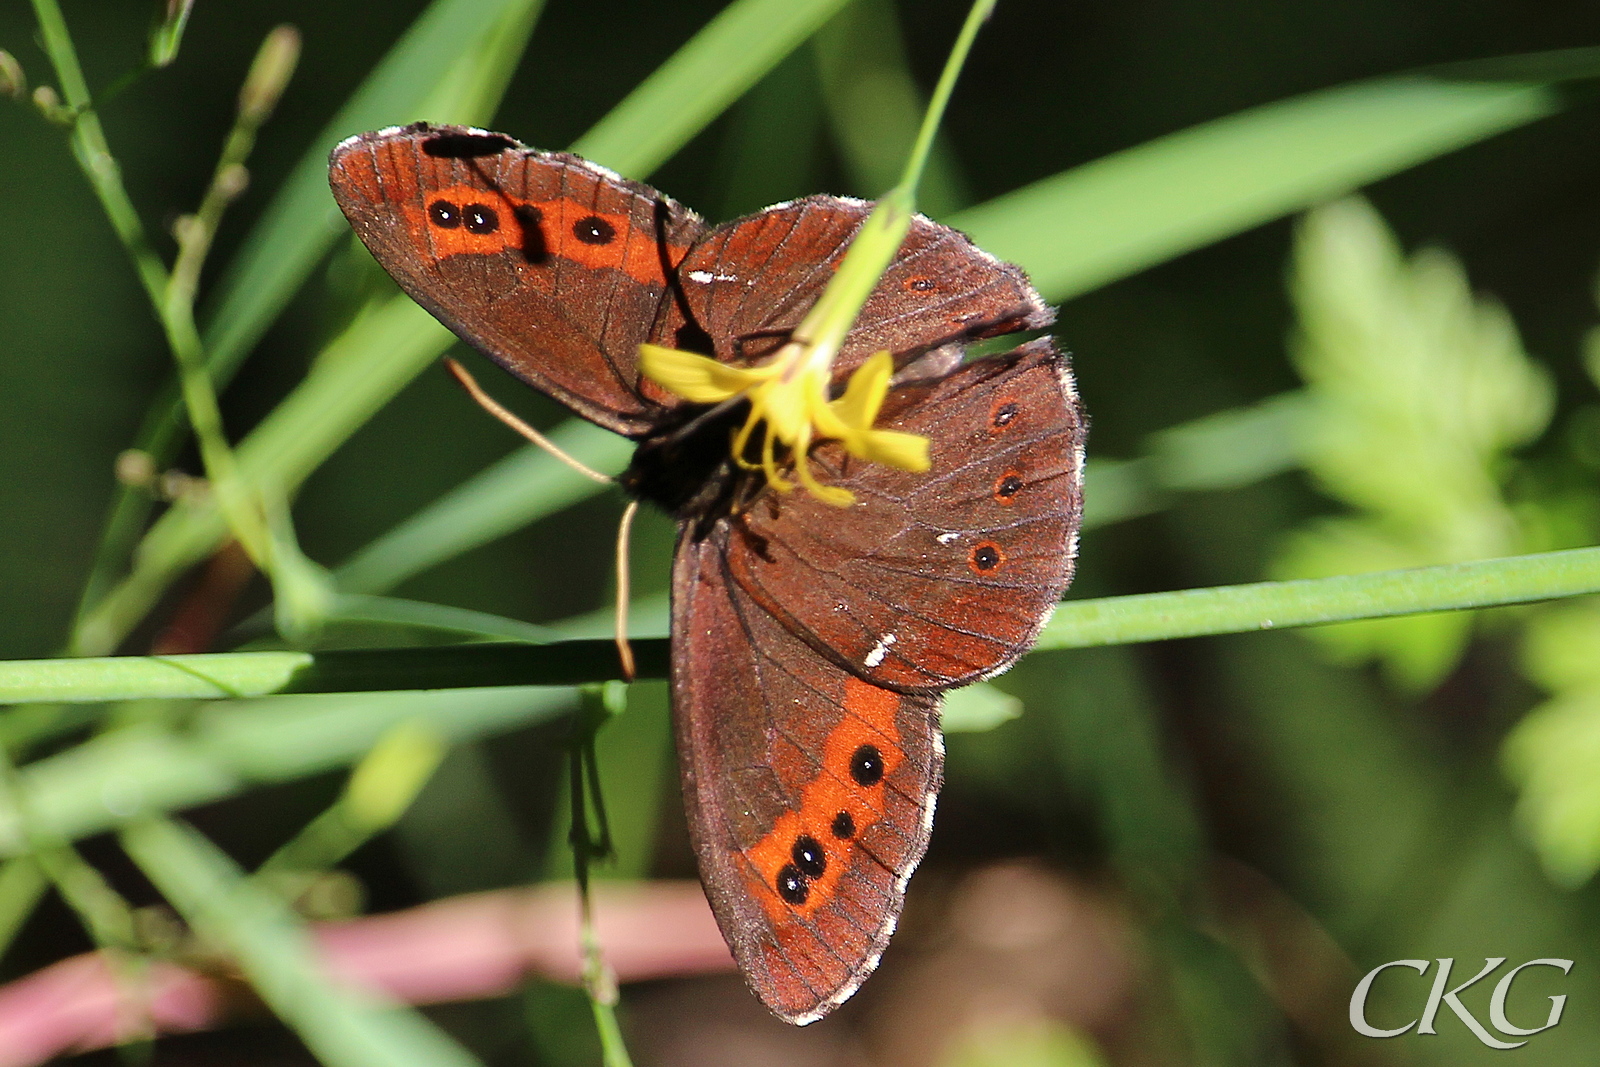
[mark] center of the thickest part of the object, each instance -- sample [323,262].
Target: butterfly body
[811,642]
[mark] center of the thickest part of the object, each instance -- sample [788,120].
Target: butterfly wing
[748,283]
[552,266]
[809,792]
[941,578]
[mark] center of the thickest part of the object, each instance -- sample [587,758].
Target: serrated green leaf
[1417,392]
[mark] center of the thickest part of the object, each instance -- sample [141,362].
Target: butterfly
[810,641]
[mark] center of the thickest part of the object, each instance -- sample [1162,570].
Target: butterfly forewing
[748,283]
[809,792]
[932,579]
[552,266]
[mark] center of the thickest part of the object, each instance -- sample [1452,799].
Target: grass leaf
[1417,392]
[1121,214]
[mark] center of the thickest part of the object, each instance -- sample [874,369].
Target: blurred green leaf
[1118,215]
[343,1026]
[386,780]
[1021,1042]
[875,106]
[380,789]
[359,620]
[1417,392]
[22,886]
[978,707]
[730,54]
[526,485]
[232,747]
[1553,754]
[1225,450]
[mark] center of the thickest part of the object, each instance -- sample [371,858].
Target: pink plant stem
[464,948]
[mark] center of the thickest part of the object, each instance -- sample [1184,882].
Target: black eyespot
[866,765]
[809,857]
[480,218]
[594,230]
[792,885]
[1003,414]
[985,557]
[844,826]
[444,214]
[1007,488]
[920,285]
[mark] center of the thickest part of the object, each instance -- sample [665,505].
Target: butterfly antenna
[493,407]
[624,590]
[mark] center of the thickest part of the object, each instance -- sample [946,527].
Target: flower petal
[696,378]
[864,394]
[905,451]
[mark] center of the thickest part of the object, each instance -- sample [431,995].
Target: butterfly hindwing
[809,792]
[939,578]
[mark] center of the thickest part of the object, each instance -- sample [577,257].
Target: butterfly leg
[624,590]
[493,407]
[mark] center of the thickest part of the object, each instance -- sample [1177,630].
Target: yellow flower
[789,394]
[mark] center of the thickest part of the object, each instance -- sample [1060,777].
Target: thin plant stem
[917,160]
[1077,624]
[274,63]
[173,293]
[875,244]
[599,981]
[94,153]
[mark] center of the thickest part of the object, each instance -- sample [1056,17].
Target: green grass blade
[702,78]
[343,1027]
[1225,450]
[234,675]
[525,486]
[393,613]
[1118,215]
[1312,601]
[1077,624]
[236,746]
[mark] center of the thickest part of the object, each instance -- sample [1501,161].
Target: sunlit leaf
[1417,391]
